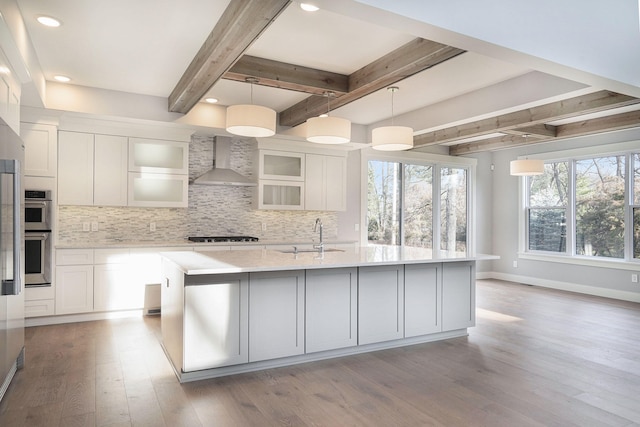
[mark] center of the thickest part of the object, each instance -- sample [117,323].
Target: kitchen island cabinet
[310,306]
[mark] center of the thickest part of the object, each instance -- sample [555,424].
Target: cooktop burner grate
[218,239]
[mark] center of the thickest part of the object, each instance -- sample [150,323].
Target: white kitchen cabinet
[39,301]
[158,156]
[114,287]
[74,281]
[458,296]
[331,309]
[281,195]
[276,314]
[281,165]
[110,170]
[158,190]
[74,289]
[10,90]
[40,149]
[92,169]
[75,168]
[422,296]
[216,322]
[325,183]
[380,304]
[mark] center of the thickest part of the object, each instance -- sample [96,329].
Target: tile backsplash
[212,211]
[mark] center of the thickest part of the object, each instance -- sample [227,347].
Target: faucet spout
[316,226]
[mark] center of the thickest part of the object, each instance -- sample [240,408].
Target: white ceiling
[144,47]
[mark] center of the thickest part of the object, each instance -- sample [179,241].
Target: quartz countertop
[189,245]
[224,262]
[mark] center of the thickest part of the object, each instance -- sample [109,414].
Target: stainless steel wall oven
[37,238]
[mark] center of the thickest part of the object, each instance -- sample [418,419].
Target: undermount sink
[299,251]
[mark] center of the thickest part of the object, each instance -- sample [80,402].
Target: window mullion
[435,217]
[571,210]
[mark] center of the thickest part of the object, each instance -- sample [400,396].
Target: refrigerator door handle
[12,285]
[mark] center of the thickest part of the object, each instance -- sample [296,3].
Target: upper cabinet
[158,173]
[155,156]
[10,90]
[92,169]
[301,181]
[280,165]
[325,183]
[41,149]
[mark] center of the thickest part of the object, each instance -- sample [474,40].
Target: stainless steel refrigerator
[11,256]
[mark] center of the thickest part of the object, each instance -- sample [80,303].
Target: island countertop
[224,262]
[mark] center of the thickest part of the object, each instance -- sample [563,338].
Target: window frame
[628,149]
[437,162]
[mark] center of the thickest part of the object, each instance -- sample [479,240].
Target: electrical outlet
[515,264]
[264,226]
[356,227]
[634,278]
[86,226]
[94,226]
[152,226]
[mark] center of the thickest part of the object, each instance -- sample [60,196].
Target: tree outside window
[547,213]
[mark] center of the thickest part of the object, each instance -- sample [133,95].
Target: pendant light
[392,138]
[249,119]
[327,129]
[526,167]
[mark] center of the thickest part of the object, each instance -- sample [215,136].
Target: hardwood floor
[537,357]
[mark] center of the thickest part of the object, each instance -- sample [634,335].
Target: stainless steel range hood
[221,174]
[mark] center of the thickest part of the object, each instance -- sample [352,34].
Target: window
[580,207]
[401,209]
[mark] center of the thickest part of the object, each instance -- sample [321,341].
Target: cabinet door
[422,291]
[380,303]
[110,170]
[276,314]
[216,322]
[281,195]
[158,190]
[114,288]
[325,183]
[74,289]
[331,309]
[281,165]
[157,156]
[458,295]
[75,168]
[40,149]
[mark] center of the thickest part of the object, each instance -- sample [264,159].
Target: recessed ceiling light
[63,79]
[308,7]
[48,21]
[211,100]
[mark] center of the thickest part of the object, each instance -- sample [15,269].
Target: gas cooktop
[218,239]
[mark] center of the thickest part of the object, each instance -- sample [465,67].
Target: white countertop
[217,262]
[190,245]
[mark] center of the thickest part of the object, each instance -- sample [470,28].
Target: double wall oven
[37,238]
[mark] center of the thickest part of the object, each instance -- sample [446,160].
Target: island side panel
[172,312]
[216,321]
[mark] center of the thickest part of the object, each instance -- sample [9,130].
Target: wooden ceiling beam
[571,130]
[414,57]
[288,76]
[535,131]
[239,26]
[568,108]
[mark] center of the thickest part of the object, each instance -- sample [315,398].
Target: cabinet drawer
[74,256]
[111,256]
[39,308]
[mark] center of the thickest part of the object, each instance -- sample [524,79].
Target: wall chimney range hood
[221,174]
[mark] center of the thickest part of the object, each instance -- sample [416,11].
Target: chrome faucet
[320,246]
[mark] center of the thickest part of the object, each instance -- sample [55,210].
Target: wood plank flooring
[537,357]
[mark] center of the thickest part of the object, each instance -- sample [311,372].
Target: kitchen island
[237,311]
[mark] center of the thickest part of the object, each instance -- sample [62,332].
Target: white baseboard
[563,286]
[82,317]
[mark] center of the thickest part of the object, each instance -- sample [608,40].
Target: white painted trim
[565,286]
[81,317]
[614,264]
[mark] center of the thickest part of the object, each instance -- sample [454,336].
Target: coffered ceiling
[452,94]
